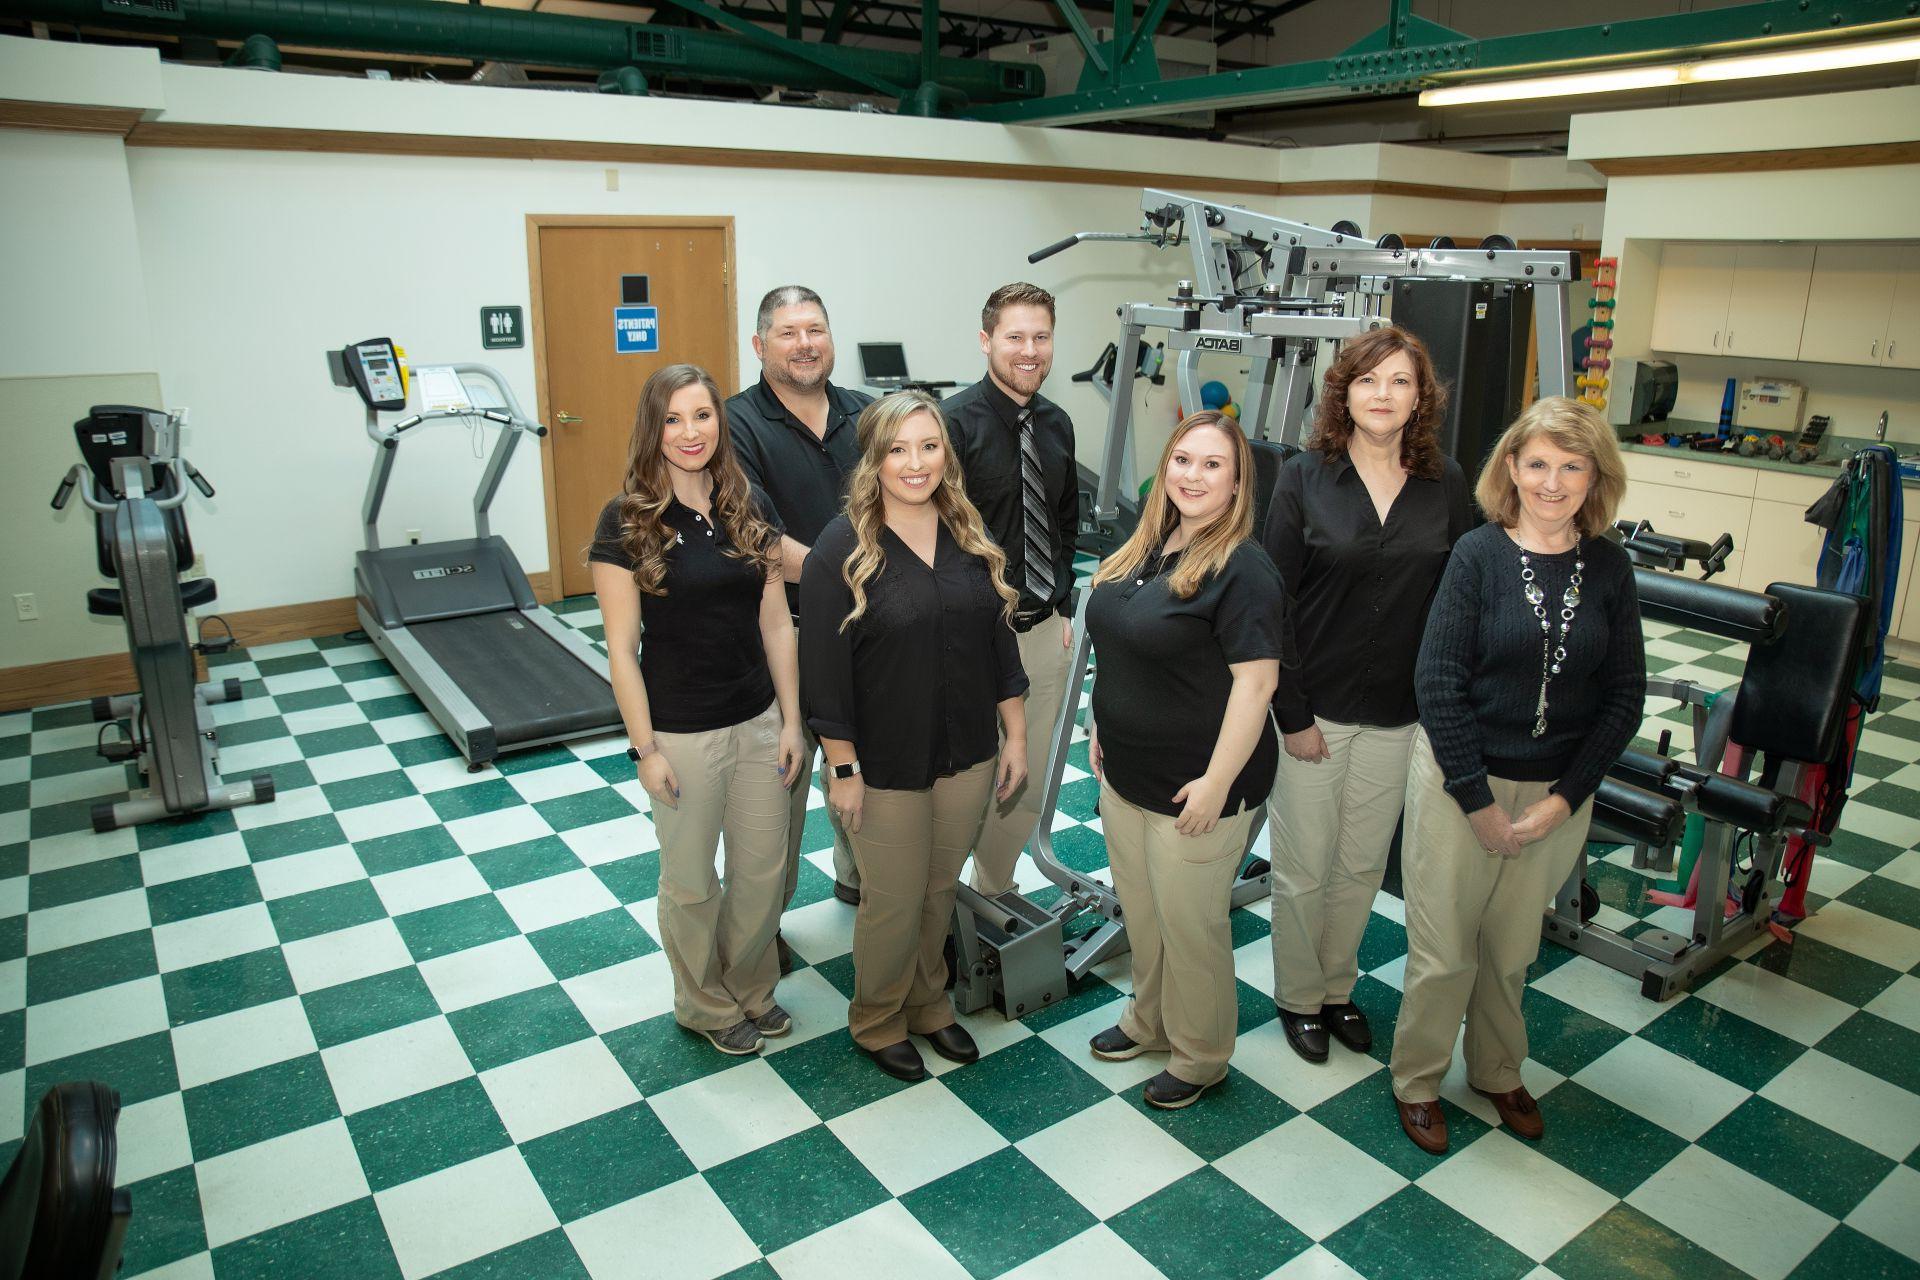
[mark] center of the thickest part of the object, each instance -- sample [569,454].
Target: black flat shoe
[1169,1092]
[901,1061]
[1348,1025]
[1307,1033]
[846,893]
[954,1044]
[786,954]
[1112,1045]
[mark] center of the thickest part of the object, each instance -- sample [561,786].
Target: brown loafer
[1426,1124]
[1518,1111]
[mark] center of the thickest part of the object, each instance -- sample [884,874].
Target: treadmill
[458,619]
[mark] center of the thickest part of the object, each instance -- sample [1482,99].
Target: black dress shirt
[701,658]
[805,475]
[914,682]
[1161,693]
[1359,589]
[986,436]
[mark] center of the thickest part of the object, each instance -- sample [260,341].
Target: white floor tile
[1750,1223]
[106,916]
[253,757]
[1864,933]
[106,783]
[731,1112]
[485,831]
[1891,1213]
[329,959]
[358,763]
[1265,1057]
[1310,1175]
[339,715]
[1849,1101]
[1662,1086]
[377,687]
[611,841]
[289,806]
[151,1138]
[817,1007]
[13,984]
[463,1213]
[441,775]
[688,1232]
[1882,824]
[277,1181]
[484,973]
[408,727]
[1900,1002]
[559,780]
[13,896]
[1835,878]
[305,872]
[1533,1203]
[540,904]
[432,884]
[61,1028]
[389,817]
[397,1063]
[74,848]
[885,1231]
[257,1036]
[908,1139]
[1071,1037]
[819,931]
[1593,988]
[622,994]
[218,936]
[1776,1003]
[13,1105]
[560,1087]
[1317,1264]
[168,863]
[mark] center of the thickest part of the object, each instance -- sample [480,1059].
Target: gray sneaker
[740,1039]
[774,1023]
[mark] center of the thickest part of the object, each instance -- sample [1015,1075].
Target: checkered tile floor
[411,1021]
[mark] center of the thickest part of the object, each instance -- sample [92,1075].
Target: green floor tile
[328,742]
[814,885]
[171,831]
[1621,888]
[832,1076]
[140,1069]
[347,1243]
[257,1105]
[1609,1146]
[1840,974]
[222,986]
[1081,848]
[202,895]
[1179,1229]
[1247,927]
[614,769]
[1228,1116]
[1724,1043]
[289,664]
[820,1183]
[1800,1156]
[758,1270]
[13,938]
[1031,1213]
[1848,1255]
[1563,1037]
[592,942]
[423,750]
[88,880]
[1089,993]
[441,931]
[1625,1244]
[605,1161]
[398,704]
[366,669]
[1384,942]
[60,764]
[527,861]
[13,1040]
[289,777]
[1862,852]
[1024,1088]
[1381,1004]
[1080,800]
[404,849]
[1255,1006]
[374,788]
[1879,1047]
[367,1006]
[307,915]
[474,798]
[659,1054]
[425,1133]
[637,878]
[1364,1114]
[263,729]
[1412,1236]
[584,809]
[330,695]
[166,1224]
[839,974]
[54,975]
[299,836]
[1884,897]
[548,1257]
[518,1026]
[537,758]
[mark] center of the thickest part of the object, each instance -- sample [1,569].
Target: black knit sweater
[1478,676]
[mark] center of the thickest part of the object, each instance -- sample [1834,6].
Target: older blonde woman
[1530,681]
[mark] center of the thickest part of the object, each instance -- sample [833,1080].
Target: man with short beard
[794,433]
[1016,453]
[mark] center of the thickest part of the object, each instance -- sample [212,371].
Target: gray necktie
[1033,501]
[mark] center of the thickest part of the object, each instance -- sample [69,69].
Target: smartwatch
[846,770]
[637,754]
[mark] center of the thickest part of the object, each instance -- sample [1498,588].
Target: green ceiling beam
[827,59]
[1432,54]
[1149,24]
[1084,34]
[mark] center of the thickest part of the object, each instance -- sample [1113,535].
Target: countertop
[1834,450]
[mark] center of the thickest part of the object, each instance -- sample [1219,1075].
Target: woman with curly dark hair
[1360,526]
[712,705]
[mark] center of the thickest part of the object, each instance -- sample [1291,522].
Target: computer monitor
[883,364]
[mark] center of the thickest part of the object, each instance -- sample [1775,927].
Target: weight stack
[1476,332]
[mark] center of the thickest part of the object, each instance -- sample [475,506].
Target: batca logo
[444,571]
[1217,344]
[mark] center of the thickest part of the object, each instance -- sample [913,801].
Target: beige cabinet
[1767,305]
[1848,303]
[1906,602]
[1781,545]
[1902,348]
[1693,513]
[1690,307]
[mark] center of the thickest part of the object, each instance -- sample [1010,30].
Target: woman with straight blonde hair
[1530,679]
[907,653]
[1189,623]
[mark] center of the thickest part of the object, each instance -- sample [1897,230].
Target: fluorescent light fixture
[1783,63]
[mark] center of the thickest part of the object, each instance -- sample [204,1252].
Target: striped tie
[1033,500]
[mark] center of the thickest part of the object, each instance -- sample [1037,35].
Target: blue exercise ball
[1214,395]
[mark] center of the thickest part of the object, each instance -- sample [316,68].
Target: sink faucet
[1880,432]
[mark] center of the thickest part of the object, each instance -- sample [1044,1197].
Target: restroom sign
[502,327]
[636,330]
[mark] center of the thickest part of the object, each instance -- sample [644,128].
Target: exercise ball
[1231,409]
[1214,395]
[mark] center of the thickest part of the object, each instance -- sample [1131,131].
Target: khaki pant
[1174,895]
[1011,823]
[1473,927]
[718,930]
[911,846]
[1331,823]
[844,869]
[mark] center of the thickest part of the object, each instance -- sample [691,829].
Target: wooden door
[584,268]
[1901,350]
[1690,310]
[1847,304]
[1768,303]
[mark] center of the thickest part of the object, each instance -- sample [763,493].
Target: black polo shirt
[1359,589]
[701,656]
[986,436]
[805,475]
[1163,679]
[914,682]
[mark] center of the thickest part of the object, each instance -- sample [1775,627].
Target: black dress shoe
[1307,1033]
[786,954]
[1348,1025]
[901,1061]
[846,893]
[954,1044]
[1169,1092]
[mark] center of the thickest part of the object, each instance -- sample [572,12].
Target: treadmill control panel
[377,373]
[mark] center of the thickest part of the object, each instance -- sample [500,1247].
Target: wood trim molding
[1863,155]
[68,117]
[1556,195]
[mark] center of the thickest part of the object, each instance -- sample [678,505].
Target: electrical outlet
[413,536]
[26,607]
[613,179]
[1579,231]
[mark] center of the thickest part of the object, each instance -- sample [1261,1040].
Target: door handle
[564,416]
[1874,354]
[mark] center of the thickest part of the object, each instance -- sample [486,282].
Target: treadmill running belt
[530,688]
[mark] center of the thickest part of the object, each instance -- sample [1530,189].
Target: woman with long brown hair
[711,705]
[1360,528]
[908,652]
[1189,623]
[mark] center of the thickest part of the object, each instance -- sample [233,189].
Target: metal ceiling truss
[965,32]
[1409,53]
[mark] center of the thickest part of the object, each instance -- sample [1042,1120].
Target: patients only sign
[636,330]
